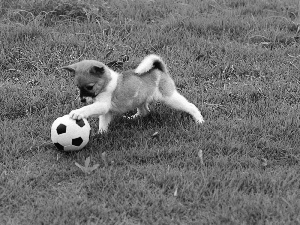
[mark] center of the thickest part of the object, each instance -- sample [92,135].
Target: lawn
[238,61]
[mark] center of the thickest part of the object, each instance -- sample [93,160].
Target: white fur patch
[113,82]
[147,64]
[105,97]
[111,86]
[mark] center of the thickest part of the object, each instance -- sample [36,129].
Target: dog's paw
[199,120]
[131,117]
[76,115]
[102,130]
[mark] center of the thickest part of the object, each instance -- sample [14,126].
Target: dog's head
[91,77]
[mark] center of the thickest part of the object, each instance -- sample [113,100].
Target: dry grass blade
[87,162]
[86,169]
[200,155]
[83,169]
[176,191]
[155,135]
[103,156]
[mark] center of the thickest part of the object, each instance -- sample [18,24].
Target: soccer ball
[70,135]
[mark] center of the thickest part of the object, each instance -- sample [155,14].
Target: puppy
[115,93]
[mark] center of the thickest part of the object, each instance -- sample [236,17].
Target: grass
[237,60]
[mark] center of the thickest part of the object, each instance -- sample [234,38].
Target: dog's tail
[151,62]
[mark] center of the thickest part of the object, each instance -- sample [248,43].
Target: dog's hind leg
[177,101]
[143,110]
[104,121]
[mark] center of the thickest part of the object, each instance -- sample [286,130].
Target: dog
[117,93]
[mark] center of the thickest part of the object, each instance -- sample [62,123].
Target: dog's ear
[97,70]
[69,68]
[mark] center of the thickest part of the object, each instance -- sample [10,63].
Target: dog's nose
[83,100]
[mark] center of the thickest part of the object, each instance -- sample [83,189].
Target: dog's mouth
[86,98]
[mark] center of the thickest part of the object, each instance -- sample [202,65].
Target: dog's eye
[89,87]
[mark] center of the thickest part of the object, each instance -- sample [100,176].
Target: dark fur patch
[97,71]
[158,65]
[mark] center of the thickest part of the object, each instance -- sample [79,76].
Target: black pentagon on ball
[59,146]
[77,141]
[61,129]
[80,123]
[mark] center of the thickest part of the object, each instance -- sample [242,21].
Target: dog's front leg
[95,109]
[104,121]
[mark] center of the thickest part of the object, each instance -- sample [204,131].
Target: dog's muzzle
[86,99]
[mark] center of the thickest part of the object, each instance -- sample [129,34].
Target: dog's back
[133,90]
[150,81]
